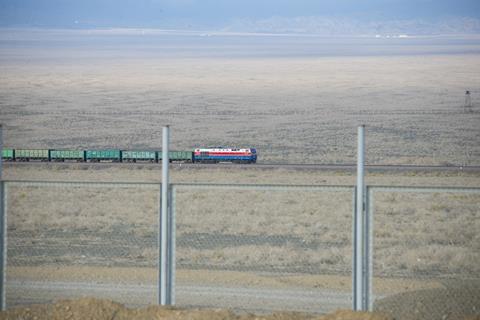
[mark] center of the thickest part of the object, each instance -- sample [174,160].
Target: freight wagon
[111,155]
[8,154]
[177,156]
[67,155]
[141,156]
[32,155]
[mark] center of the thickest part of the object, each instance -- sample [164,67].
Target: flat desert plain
[297,100]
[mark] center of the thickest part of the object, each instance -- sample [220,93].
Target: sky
[215,14]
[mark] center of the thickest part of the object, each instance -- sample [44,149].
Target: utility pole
[468,101]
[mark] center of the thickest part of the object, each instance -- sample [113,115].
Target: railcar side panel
[134,156]
[32,155]
[67,155]
[113,155]
[8,154]
[177,156]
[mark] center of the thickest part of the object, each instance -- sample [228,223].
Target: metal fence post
[1,152]
[360,237]
[3,246]
[172,245]
[368,240]
[3,229]
[354,248]
[165,237]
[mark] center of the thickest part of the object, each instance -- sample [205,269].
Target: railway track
[290,166]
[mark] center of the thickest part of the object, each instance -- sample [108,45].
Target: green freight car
[32,155]
[8,154]
[177,156]
[67,155]
[134,156]
[113,155]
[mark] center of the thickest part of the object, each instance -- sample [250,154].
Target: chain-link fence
[246,247]
[255,248]
[426,252]
[67,240]
[264,248]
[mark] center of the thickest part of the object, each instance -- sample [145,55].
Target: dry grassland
[292,109]
[428,234]
[296,109]
[276,240]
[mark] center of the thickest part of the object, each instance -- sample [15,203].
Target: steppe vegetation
[296,110]
[307,231]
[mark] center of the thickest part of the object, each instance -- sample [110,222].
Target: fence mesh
[264,249]
[426,253]
[66,240]
[249,248]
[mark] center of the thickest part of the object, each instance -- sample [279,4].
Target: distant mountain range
[314,25]
[344,26]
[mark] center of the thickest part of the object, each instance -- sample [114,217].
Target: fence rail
[261,187]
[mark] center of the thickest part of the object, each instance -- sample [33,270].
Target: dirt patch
[89,308]
[439,303]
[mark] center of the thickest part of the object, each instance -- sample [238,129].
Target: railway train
[199,155]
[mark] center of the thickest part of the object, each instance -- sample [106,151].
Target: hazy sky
[218,13]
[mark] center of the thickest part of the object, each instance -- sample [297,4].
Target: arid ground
[297,100]
[88,308]
[243,243]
